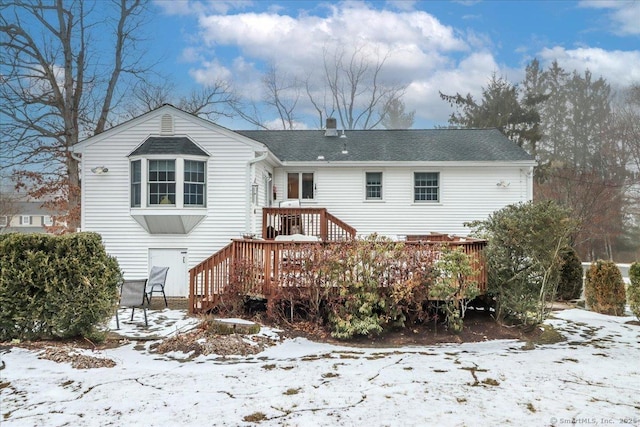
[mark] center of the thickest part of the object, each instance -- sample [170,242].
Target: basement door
[177,284]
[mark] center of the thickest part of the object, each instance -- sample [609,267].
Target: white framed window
[47,220]
[373,186]
[300,185]
[25,220]
[426,186]
[194,183]
[161,182]
[136,183]
[4,221]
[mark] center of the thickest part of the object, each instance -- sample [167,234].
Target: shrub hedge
[55,286]
[570,284]
[634,289]
[604,288]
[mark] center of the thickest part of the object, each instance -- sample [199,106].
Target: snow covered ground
[592,378]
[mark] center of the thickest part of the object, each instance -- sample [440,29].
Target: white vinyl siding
[467,193]
[106,198]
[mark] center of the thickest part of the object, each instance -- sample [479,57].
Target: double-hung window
[136,183]
[426,186]
[194,183]
[162,182]
[373,186]
[300,185]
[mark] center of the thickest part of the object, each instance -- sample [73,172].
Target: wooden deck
[258,267]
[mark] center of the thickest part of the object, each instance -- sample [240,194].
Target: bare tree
[358,94]
[66,67]
[211,101]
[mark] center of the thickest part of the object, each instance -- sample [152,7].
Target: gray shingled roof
[168,145]
[391,145]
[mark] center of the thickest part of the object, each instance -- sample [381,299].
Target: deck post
[324,225]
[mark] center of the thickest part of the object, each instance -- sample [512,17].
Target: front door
[177,284]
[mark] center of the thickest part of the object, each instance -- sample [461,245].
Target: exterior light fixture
[254,192]
[100,170]
[502,183]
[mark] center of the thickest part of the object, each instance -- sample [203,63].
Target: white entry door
[177,284]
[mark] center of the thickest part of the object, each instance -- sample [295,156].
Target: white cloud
[468,76]
[423,53]
[625,15]
[619,68]
[417,44]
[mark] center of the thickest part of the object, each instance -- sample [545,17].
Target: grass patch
[292,391]
[256,417]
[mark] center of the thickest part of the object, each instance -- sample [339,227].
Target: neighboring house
[25,217]
[169,188]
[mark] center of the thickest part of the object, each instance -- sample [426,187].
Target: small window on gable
[373,188]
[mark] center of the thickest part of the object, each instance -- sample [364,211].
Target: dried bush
[604,288]
[633,291]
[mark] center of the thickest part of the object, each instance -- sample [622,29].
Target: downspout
[249,223]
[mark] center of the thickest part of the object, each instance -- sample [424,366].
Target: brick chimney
[331,128]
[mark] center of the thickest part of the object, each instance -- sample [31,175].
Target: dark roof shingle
[391,145]
[168,145]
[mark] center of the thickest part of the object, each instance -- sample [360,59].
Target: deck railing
[309,221]
[263,266]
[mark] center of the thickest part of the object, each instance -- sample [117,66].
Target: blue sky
[448,46]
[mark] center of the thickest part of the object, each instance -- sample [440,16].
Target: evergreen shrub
[604,288]
[570,284]
[524,258]
[55,286]
[634,289]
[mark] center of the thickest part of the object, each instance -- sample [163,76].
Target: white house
[169,188]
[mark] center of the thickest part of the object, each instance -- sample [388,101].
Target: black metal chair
[133,294]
